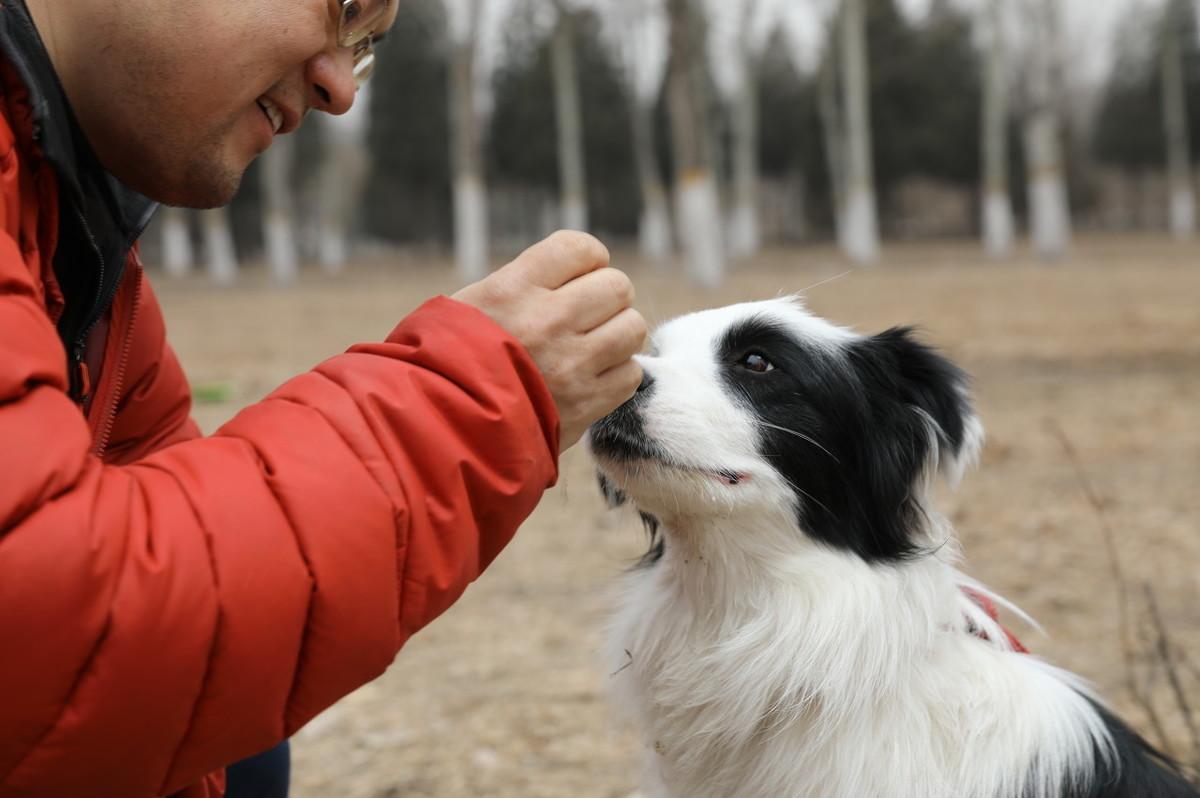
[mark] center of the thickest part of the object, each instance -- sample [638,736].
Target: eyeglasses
[357,21]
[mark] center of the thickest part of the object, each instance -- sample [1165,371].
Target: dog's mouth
[629,449]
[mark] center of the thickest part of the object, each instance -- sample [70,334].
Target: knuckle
[638,324]
[619,285]
[495,289]
[579,247]
[635,331]
[555,317]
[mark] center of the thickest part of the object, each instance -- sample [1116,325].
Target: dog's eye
[756,361]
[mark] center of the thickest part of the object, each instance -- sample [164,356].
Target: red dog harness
[989,606]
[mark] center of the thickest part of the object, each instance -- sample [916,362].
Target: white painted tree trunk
[832,130]
[1050,224]
[654,226]
[470,227]
[470,192]
[1050,221]
[745,237]
[218,244]
[698,212]
[860,216]
[744,233]
[178,256]
[998,226]
[1175,119]
[342,175]
[279,230]
[1049,211]
[571,169]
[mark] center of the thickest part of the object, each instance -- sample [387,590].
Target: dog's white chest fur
[814,678]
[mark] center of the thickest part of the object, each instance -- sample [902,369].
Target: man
[170,604]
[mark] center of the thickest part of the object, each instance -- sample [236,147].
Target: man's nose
[330,79]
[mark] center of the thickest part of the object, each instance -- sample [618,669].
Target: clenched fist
[574,315]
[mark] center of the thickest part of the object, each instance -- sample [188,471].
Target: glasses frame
[361,38]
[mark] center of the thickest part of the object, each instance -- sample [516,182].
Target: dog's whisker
[826,281]
[801,436]
[809,496]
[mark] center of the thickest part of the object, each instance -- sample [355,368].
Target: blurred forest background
[710,128]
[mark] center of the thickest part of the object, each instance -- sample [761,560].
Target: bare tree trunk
[698,206]
[177,242]
[654,228]
[571,171]
[833,131]
[745,237]
[997,203]
[1050,215]
[279,230]
[1175,119]
[641,83]
[218,244]
[859,216]
[341,177]
[466,131]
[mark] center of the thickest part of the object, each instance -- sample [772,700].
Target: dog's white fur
[759,663]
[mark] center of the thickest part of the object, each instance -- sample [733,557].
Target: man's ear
[613,496]
[935,389]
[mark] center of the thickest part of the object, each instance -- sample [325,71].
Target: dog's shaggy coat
[799,627]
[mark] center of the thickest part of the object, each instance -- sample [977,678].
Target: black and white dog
[799,628]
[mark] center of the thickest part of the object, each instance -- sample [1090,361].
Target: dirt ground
[504,695]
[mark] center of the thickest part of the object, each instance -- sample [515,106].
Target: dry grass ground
[503,696]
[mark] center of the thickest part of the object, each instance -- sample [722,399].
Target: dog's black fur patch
[658,544]
[1139,771]
[621,436]
[613,496]
[849,427]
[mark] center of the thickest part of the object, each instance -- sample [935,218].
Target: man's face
[177,98]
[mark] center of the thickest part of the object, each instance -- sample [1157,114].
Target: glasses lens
[359,19]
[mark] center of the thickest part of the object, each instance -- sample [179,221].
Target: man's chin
[212,188]
[199,185]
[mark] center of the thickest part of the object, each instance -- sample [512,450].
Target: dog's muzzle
[621,435]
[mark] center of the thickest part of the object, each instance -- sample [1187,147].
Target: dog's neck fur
[748,648]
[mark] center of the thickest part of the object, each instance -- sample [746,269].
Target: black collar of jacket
[100,218]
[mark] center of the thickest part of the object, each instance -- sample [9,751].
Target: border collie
[799,628]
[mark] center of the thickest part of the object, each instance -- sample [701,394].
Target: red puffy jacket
[170,603]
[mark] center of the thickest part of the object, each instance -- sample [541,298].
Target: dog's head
[762,406]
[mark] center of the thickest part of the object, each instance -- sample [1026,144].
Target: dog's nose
[647,381]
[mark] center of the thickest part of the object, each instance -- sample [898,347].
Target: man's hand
[574,315]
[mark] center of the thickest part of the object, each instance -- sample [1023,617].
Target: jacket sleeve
[166,617]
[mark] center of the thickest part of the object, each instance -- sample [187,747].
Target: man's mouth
[272,112]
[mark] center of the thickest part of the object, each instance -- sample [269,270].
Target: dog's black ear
[613,495]
[928,385]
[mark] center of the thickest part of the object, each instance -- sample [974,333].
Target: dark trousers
[262,776]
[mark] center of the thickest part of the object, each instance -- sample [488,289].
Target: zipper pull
[81,379]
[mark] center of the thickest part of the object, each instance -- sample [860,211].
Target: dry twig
[1156,649]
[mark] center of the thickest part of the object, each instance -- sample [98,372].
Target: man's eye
[757,362]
